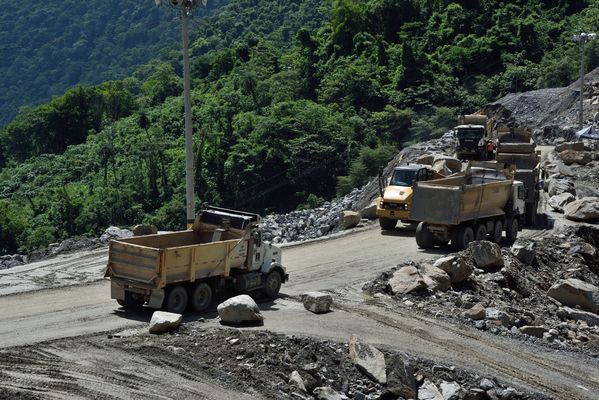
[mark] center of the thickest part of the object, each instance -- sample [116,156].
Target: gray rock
[486,254]
[583,209]
[536,331]
[326,393]
[477,312]
[486,384]
[144,229]
[435,278]
[349,219]
[296,381]
[450,390]
[369,212]
[590,318]
[586,191]
[576,157]
[368,359]
[114,232]
[317,302]
[524,251]
[558,186]
[400,378]
[574,292]
[406,279]
[498,315]
[456,268]
[163,321]
[429,391]
[239,309]
[558,202]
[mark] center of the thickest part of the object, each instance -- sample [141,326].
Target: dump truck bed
[154,261]
[451,201]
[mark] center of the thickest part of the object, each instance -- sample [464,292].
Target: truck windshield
[403,177]
[470,133]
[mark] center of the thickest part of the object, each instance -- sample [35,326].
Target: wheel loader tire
[272,284]
[200,297]
[424,237]
[480,233]
[512,229]
[387,224]
[176,300]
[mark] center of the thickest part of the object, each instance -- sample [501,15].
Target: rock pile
[14,260]
[546,288]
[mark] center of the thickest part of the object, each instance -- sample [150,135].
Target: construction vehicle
[395,201]
[478,205]
[223,251]
[472,133]
[515,146]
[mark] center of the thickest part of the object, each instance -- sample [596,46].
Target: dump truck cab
[472,140]
[396,199]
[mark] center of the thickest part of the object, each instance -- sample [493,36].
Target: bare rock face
[558,202]
[349,219]
[456,268]
[559,186]
[317,302]
[574,292]
[524,251]
[583,209]
[406,279]
[368,359]
[239,309]
[576,157]
[435,278]
[163,321]
[486,254]
[144,229]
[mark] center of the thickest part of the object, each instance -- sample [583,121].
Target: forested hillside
[294,101]
[48,46]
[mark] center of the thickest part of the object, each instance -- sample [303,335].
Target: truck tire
[464,237]
[424,237]
[497,233]
[200,297]
[481,232]
[512,229]
[387,224]
[272,284]
[131,301]
[176,300]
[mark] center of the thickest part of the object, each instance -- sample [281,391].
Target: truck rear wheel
[201,297]
[131,301]
[464,236]
[387,224]
[512,229]
[176,300]
[497,233]
[481,232]
[424,237]
[272,284]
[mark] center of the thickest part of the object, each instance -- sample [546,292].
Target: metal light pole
[185,7]
[582,38]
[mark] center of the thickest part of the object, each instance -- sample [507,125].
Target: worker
[490,149]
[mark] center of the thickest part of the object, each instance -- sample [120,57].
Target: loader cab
[407,175]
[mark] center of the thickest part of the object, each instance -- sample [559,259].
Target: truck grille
[395,206]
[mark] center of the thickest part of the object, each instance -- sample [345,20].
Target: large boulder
[574,292]
[144,229]
[576,157]
[369,212]
[584,209]
[524,251]
[558,202]
[400,379]
[456,268]
[115,232]
[450,390]
[559,186]
[425,159]
[576,146]
[406,279]
[536,331]
[349,219]
[163,321]
[368,359]
[446,165]
[486,254]
[317,302]
[476,312]
[435,278]
[239,309]
[591,319]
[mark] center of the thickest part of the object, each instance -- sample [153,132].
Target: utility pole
[581,39]
[185,7]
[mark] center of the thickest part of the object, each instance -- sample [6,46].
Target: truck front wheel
[272,284]
[201,297]
[176,300]
[387,224]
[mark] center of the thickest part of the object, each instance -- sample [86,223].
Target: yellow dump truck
[479,205]
[395,201]
[181,270]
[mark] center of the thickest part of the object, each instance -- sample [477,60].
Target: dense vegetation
[294,102]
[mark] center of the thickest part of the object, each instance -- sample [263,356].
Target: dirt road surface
[333,264]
